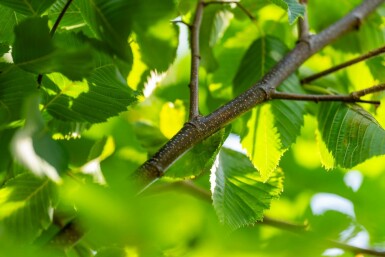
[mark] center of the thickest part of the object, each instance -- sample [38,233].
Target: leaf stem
[358,59]
[195,60]
[354,97]
[303,24]
[52,33]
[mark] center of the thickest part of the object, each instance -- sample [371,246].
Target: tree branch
[298,228]
[354,97]
[202,127]
[303,24]
[361,58]
[52,32]
[195,59]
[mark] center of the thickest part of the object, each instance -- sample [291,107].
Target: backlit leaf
[262,141]
[350,133]
[240,194]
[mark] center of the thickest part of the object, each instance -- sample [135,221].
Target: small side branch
[361,58]
[195,60]
[237,3]
[354,97]
[303,25]
[52,33]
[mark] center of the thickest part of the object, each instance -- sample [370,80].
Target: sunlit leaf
[26,206]
[34,147]
[28,7]
[240,194]
[262,141]
[293,8]
[105,95]
[37,52]
[350,133]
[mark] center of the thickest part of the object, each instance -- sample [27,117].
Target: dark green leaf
[151,138]
[26,206]
[8,19]
[15,86]
[351,134]
[199,159]
[37,53]
[239,194]
[261,56]
[111,21]
[28,7]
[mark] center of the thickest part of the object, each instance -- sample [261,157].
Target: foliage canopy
[91,89]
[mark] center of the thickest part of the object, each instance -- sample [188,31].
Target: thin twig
[298,228]
[354,97]
[195,60]
[182,22]
[361,58]
[239,5]
[52,32]
[303,24]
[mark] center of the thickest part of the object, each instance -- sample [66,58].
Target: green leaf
[105,95]
[293,8]
[215,20]
[37,52]
[289,115]
[239,194]
[26,206]
[15,86]
[262,141]
[8,19]
[34,147]
[150,137]
[261,56]
[198,159]
[28,7]
[111,21]
[72,18]
[351,134]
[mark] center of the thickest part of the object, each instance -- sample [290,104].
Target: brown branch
[303,24]
[195,59]
[202,127]
[298,228]
[354,97]
[52,33]
[361,58]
